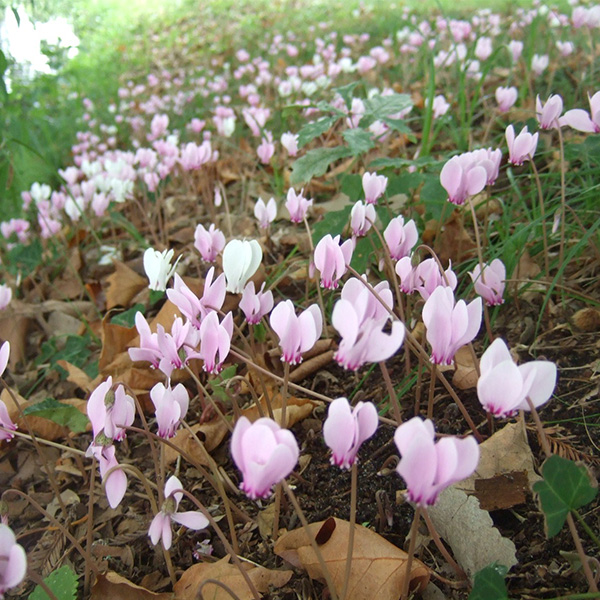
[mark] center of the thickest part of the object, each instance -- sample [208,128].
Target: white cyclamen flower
[241,259]
[158,268]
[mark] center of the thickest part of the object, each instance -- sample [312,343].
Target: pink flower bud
[297,205]
[332,259]
[521,147]
[506,97]
[374,187]
[490,282]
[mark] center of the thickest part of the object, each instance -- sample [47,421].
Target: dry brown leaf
[211,434]
[114,587]
[115,340]
[41,427]
[13,329]
[123,285]
[465,377]
[296,409]
[187,586]
[507,452]
[378,567]
[452,241]
[77,376]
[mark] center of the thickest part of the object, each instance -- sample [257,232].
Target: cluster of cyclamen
[265,453]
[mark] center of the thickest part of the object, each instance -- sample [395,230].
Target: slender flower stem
[311,539]
[319,292]
[353,489]
[576,539]
[207,395]
[587,528]
[563,201]
[543,216]
[391,392]
[38,580]
[411,550]
[234,557]
[44,442]
[89,538]
[440,546]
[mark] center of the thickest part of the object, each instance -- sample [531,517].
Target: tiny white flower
[241,259]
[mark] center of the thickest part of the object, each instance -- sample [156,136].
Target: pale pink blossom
[265,213]
[424,277]
[506,97]
[462,176]
[149,350]
[345,429]
[158,126]
[177,347]
[256,305]
[581,120]
[115,484]
[489,283]
[332,259]
[110,411]
[539,63]
[13,560]
[516,48]
[440,106]
[266,149]
[297,205]
[170,406]
[160,528]
[215,341]
[548,114]
[483,48]
[208,242]
[290,142]
[5,296]
[374,186]
[362,217]
[400,237]
[297,333]
[264,453]
[521,147]
[450,324]
[565,48]
[503,387]
[428,467]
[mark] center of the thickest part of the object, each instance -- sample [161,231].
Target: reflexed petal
[4,356]
[155,529]
[15,570]
[496,353]
[191,519]
[544,381]
[500,389]
[237,451]
[339,429]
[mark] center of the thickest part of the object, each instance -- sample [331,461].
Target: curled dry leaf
[114,587]
[123,285]
[465,377]
[191,580]
[297,409]
[378,567]
[470,532]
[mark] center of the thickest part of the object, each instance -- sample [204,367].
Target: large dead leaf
[296,409]
[187,587]
[41,427]
[115,340]
[211,434]
[123,285]
[114,587]
[470,532]
[378,567]
[77,376]
[506,462]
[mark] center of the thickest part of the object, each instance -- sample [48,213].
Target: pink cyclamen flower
[548,114]
[516,48]
[503,387]
[490,160]
[297,205]
[4,356]
[345,429]
[490,282]
[110,411]
[215,340]
[264,453]
[506,97]
[362,217]
[425,277]
[5,296]
[170,406]
[290,142]
[160,528]
[462,176]
[400,237]
[428,467]
[265,213]
[178,347]
[450,325]
[297,333]
[13,560]
[209,242]
[521,147]
[256,305]
[565,48]
[5,419]
[374,187]
[266,149]
[192,307]
[440,106]
[115,483]
[581,120]
[332,259]
[539,63]
[149,349]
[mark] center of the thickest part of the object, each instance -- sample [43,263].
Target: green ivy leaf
[59,413]
[379,107]
[24,258]
[489,584]
[566,486]
[312,130]
[333,223]
[347,93]
[359,141]
[315,163]
[351,185]
[127,317]
[62,582]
